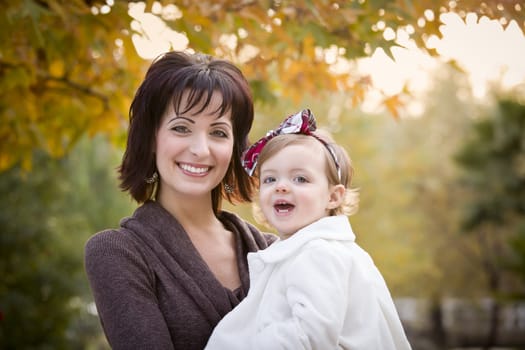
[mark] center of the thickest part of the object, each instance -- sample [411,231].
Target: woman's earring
[228,188]
[152,179]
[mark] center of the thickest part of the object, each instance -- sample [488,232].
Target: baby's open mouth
[283,207]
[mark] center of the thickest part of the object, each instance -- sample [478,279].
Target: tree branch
[76,86]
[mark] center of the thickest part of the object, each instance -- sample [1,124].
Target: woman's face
[193,151]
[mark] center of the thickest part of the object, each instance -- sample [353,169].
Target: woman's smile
[194,170]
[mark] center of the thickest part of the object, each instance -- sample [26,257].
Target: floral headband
[302,122]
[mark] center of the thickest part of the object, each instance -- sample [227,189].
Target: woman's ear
[337,195]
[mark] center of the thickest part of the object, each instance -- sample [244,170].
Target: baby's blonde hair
[335,176]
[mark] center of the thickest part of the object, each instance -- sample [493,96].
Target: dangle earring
[153,178]
[228,188]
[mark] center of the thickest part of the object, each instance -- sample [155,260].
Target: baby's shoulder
[332,245]
[328,250]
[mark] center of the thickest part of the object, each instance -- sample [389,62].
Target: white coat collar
[330,228]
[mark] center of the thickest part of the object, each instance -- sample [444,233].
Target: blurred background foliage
[442,194]
[46,216]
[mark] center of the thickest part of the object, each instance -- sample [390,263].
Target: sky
[480,46]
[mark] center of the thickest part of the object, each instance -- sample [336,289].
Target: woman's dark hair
[169,76]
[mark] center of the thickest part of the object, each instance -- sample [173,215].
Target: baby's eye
[268,180]
[300,179]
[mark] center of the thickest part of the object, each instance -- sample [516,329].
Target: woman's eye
[180,129]
[220,133]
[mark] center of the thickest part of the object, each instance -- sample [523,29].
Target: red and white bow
[302,122]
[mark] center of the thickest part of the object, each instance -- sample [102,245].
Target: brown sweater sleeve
[270,238]
[124,291]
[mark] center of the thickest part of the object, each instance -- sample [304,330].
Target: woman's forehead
[194,104]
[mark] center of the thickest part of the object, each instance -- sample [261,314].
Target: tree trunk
[492,336]
[439,336]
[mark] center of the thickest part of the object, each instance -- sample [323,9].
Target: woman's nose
[199,145]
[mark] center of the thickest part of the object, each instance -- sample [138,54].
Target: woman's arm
[124,292]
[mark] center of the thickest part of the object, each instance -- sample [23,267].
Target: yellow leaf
[254,12]
[393,104]
[56,68]
[309,47]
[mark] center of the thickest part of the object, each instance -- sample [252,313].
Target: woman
[172,270]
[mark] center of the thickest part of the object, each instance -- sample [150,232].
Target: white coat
[315,290]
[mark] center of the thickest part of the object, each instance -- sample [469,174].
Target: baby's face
[294,189]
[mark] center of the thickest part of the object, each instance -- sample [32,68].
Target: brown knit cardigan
[151,287]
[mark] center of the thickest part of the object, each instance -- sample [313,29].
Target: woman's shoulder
[109,241]
[115,239]
[115,248]
[104,236]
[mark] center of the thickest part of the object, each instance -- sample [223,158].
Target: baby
[315,288]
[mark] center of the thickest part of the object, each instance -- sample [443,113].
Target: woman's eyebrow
[181,117]
[222,123]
